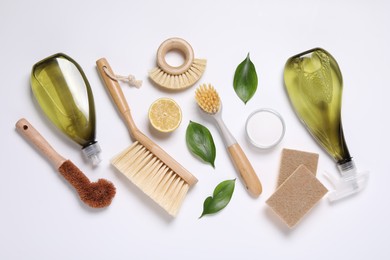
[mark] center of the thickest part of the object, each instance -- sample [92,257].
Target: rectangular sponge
[290,161]
[296,196]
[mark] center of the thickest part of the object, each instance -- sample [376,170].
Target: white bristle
[152,176]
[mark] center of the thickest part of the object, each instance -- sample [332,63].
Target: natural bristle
[152,176]
[182,81]
[207,98]
[96,194]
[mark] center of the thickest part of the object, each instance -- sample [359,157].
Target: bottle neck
[346,167]
[91,152]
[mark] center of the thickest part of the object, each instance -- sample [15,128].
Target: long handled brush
[144,163]
[183,76]
[95,194]
[209,101]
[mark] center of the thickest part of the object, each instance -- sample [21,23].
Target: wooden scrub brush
[181,77]
[144,163]
[208,100]
[95,194]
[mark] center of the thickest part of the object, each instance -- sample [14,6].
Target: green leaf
[200,142]
[221,197]
[245,80]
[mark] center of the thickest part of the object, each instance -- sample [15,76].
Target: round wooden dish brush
[95,194]
[181,77]
[208,100]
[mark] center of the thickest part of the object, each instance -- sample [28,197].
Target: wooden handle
[246,170]
[179,45]
[120,101]
[40,143]
[116,93]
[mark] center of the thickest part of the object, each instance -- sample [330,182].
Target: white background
[41,216]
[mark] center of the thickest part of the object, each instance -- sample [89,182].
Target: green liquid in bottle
[314,84]
[64,94]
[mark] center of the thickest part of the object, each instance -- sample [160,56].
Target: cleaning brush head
[95,194]
[181,77]
[144,163]
[208,99]
[156,179]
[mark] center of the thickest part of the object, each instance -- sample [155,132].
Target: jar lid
[265,128]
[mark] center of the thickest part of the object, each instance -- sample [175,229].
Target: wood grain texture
[173,44]
[244,167]
[36,139]
[120,101]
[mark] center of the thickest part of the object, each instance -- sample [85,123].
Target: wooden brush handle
[119,99]
[240,161]
[179,45]
[116,93]
[40,143]
[97,195]
[246,170]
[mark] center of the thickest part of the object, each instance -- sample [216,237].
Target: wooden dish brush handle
[244,167]
[117,95]
[120,101]
[179,45]
[35,138]
[239,159]
[95,194]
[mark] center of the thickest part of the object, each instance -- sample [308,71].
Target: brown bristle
[207,98]
[95,194]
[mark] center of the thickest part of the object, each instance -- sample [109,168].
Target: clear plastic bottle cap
[92,152]
[265,128]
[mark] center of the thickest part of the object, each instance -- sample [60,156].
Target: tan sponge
[290,161]
[296,196]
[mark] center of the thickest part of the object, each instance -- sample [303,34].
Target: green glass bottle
[64,94]
[314,85]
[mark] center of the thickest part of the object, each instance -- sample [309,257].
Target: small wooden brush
[144,163]
[179,77]
[208,100]
[95,194]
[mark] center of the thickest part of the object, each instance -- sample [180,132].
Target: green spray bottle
[314,85]
[64,94]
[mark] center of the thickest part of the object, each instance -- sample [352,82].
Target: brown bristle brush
[183,76]
[144,163]
[95,194]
